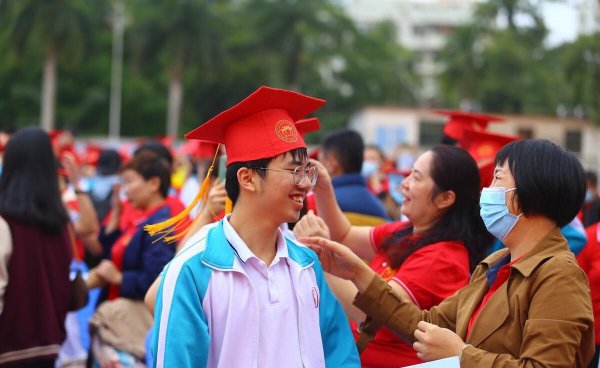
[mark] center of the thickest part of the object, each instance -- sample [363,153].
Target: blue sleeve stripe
[167,288]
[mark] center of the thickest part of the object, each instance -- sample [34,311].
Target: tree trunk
[175,102]
[48,90]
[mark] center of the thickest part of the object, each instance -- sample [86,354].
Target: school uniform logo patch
[286,131]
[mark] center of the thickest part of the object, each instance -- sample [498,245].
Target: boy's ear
[246,179]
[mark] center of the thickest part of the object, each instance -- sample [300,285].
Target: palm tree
[58,28]
[181,32]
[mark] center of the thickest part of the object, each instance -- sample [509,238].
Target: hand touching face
[311,225]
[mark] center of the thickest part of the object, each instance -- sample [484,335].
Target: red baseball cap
[460,120]
[260,126]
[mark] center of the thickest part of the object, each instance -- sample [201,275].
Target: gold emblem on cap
[286,131]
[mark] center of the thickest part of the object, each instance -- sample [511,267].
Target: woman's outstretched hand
[340,261]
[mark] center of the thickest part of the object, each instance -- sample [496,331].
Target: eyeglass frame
[294,172]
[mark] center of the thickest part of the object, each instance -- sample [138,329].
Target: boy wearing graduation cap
[245,295]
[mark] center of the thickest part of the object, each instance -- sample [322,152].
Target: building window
[430,133]
[573,141]
[526,133]
[388,138]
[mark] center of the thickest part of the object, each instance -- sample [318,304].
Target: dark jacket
[353,197]
[145,257]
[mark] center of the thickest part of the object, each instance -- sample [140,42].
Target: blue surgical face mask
[588,196]
[369,168]
[494,212]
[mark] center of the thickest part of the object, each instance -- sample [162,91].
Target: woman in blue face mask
[526,305]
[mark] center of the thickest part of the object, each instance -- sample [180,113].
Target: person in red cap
[459,121]
[245,295]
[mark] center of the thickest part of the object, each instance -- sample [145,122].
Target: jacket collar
[547,247]
[220,253]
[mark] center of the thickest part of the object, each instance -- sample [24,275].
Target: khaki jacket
[541,317]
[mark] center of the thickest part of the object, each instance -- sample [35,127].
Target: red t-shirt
[429,275]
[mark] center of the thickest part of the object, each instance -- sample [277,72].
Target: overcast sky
[561,20]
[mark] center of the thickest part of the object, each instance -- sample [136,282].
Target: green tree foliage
[581,60]
[503,69]
[55,30]
[220,51]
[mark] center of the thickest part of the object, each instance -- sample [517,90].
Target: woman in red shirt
[425,259]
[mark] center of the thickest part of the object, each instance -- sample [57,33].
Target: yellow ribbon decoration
[181,220]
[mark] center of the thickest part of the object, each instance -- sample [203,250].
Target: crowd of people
[243,247]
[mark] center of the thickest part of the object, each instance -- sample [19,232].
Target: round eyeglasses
[299,173]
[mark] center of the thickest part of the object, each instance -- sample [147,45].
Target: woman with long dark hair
[35,253]
[425,259]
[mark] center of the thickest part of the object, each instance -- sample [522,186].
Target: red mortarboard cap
[260,126]
[460,120]
[92,154]
[483,147]
[306,126]
[198,149]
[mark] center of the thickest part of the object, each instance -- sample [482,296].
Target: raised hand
[311,225]
[323,184]
[69,162]
[216,197]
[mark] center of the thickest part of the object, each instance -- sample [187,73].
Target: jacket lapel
[476,291]
[491,317]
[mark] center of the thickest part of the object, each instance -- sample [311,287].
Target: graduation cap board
[260,126]
[483,147]
[459,121]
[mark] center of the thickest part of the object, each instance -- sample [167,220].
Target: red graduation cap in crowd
[92,154]
[483,147]
[198,149]
[459,121]
[260,126]
[63,143]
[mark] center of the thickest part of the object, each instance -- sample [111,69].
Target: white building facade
[422,27]
[389,127]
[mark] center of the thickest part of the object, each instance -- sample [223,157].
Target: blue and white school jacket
[207,278]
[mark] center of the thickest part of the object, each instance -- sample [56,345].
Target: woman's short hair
[148,164]
[550,181]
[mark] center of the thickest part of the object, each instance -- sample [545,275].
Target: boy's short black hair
[348,148]
[550,181]
[232,187]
